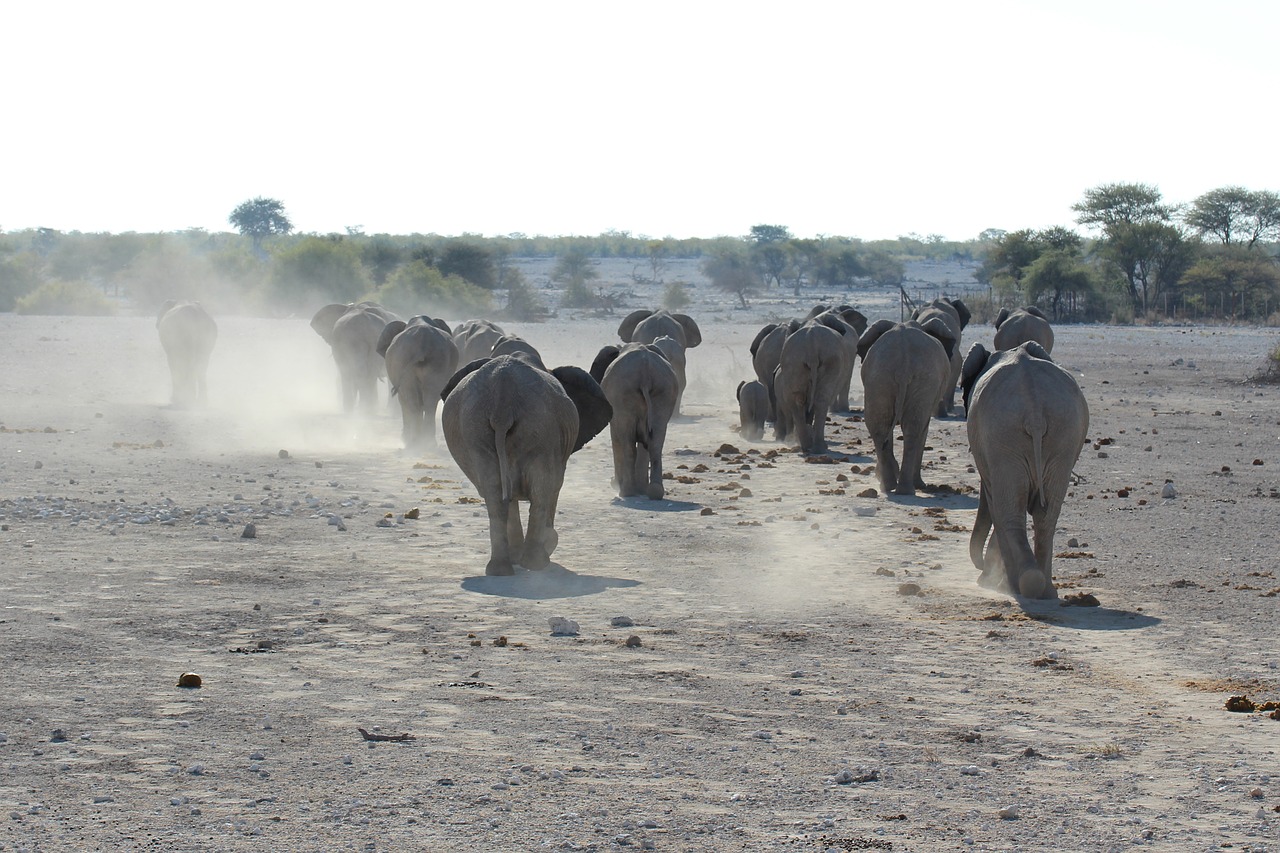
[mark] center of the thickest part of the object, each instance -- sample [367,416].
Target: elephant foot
[535,558]
[1034,584]
[905,490]
[655,491]
[499,567]
[989,579]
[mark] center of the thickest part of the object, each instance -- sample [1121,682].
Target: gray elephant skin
[753,409]
[906,370]
[1022,325]
[641,387]
[766,348]
[511,426]
[188,335]
[1027,421]
[814,360]
[420,358]
[352,331]
[475,339]
[647,327]
[956,315]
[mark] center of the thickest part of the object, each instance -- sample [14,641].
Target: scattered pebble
[250,531]
[621,622]
[1008,813]
[562,627]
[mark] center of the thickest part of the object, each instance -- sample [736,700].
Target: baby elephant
[511,426]
[641,386]
[753,409]
[188,334]
[1027,421]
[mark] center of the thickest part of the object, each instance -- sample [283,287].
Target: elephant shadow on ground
[662,505]
[945,498]
[555,581]
[1055,612]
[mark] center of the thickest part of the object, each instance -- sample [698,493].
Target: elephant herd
[511,423]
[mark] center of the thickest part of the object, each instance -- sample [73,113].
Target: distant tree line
[1140,257]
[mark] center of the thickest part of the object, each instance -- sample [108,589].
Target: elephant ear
[692,334]
[1034,350]
[439,324]
[164,309]
[938,328]
[326,317]
[594,411]
[816,310]
[975,364]
[608,353]
[512,345]
[760,336]
[737,395]
[628,326]
[855,318]
[1036,312]
[871,335]
[461,374]
[1001,317]
[962,310]
[388,335]
[833,322]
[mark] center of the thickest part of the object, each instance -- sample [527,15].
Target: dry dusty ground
[784,696]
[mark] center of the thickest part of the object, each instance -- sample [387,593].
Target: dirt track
[784,695]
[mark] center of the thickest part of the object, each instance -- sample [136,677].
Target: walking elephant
[640,385]
[352,332]
[647,327]
[814,360]
[906,368]
[420,358]
[956,315]
[188,334]
[753,409]
[850,323]
[1027,421]
[1022,325]
[766,354]
[475,339]
[511,426]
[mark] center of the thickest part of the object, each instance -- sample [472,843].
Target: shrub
[675,296]
[65,297]
[419,288]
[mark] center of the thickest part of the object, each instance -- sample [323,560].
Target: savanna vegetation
[1135,257]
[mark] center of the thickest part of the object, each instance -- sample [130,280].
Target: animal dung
[909,589]
[868,493]
[562,627]
[413,513]
[190,680]
[633,642]
[1241,705]
[1080,599]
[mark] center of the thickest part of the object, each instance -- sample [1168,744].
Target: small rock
[58,736]
[909,589]
[1073,542]
[283,454]
[250,531]
[868,493]
[1008,813]
[633,642]
[621,622]
[1168,491]
[562,627]
[970,770]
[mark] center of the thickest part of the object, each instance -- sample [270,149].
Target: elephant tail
[506,468]
[1036,428]
[809,410]
[648,416]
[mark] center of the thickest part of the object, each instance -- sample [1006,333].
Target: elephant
[475,339]
[1022,325]
[1027,422]
[511,426]
[646,327]
[766,354]
[516,345]
[905,371]
[956,315]
[420,358]
[188,334]
[814,360]
[753,408]
[850,323]
[641,386]
[352,332]
[675,355]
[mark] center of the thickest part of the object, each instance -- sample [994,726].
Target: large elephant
[641,386]
[956,315]
[420,358]
[511,426]
[516,345]
[475,339]
[906,368]
[850,323]
[814,360]
[753,409]
[1022,325]
[352,331]
[188,334]
[1027,421]
[647,327]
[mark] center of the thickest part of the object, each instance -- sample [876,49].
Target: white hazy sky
[694,118]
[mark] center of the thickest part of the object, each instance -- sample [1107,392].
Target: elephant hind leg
[500,513]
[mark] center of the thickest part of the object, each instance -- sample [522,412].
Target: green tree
[1055,274]
[803,257]
[260,217]
[1242,282]
[884,269]
[318,267]
[523,302]
[419,288]
[575,270]
[380,257]
[469,260]
[732,272]
[839,266]
[769,252]
[675,296]
[1236,215]
[1134,221]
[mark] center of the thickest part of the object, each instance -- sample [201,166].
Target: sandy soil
[785,693]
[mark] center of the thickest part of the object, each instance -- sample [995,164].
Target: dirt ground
[787,692]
